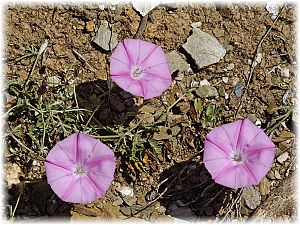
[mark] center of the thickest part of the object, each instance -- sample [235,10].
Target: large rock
[204,48]
[281,204]
[106,38]
[176,62]
[252,197]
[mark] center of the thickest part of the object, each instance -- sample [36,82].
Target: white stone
[225,79]
[283,157]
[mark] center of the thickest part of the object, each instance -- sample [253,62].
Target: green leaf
[155,145]
[210,110]
[198,106]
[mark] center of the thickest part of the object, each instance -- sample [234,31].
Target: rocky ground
[251,73]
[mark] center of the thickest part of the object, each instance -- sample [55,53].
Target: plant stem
[89,120]
[16,206]
[19,142]
[32,70]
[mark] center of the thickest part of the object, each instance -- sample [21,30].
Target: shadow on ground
[110,104]
[37,202]
[190,193]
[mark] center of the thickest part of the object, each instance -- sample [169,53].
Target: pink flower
[238,154]
[80,168]
[141,68]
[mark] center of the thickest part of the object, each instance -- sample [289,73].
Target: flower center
[79,170]
[137,72]
[237,158]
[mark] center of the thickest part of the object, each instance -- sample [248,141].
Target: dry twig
[255,59]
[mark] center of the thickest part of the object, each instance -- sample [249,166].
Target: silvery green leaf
[43,47]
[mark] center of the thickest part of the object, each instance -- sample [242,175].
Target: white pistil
[79,170]
[137,72]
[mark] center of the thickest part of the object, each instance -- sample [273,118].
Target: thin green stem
[92,115]
[16,206]
[32,70]
[12,108]
[44,131]
[25,56]
[279,120]
[106,136]
[19,142]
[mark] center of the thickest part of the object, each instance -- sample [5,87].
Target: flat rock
[13,172]
[206,91]
[105,38]
[252,197]
[184,213]
[264,186]
[204,48]
[176,62]
[117,201]
[129,200]
[126,210]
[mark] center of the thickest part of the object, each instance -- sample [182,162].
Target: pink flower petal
[153,88]
[56,171]
[223,137]
[136,88]
[82,190]
[102,173]
[61,157]
[132,56]
[238,154]
[86,146]
[68,146]
[252,135]
[60,184]
[80,168]
[235,177]
[138,50]
[101,153]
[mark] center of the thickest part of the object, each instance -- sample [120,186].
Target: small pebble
[130,200]
[230,66]
[277,175]
[271,175]
[204,82]
[125,190]
[225,79]
[285,72]
[207,91]
[283,157]
[89,26]
[117,201]
[264,186]
[151,195]
[196,24]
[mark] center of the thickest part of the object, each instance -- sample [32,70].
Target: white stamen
[79,170]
